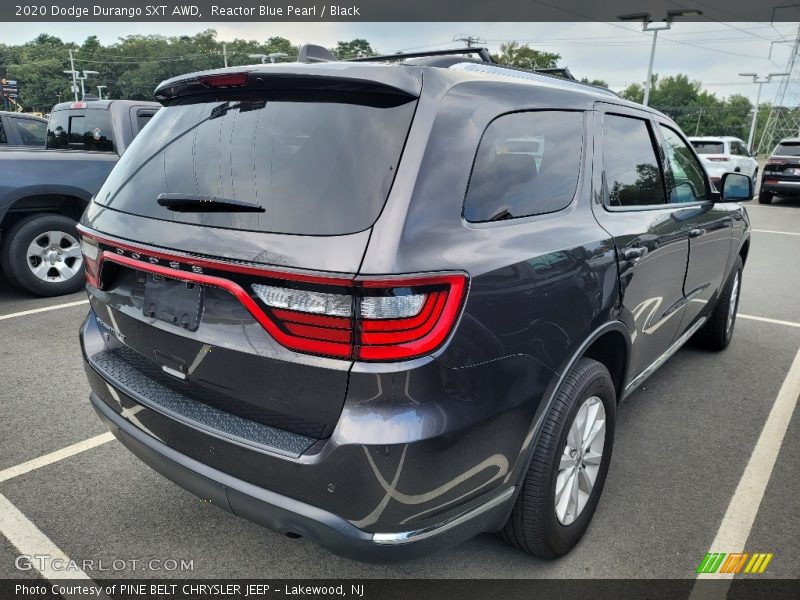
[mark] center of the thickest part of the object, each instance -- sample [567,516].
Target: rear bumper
[780,187]
[370,498]
[294,518]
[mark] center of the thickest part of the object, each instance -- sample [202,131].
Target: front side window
[527,164]
[686,180]
[632,173]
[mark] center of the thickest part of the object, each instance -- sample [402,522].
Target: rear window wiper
[205,204]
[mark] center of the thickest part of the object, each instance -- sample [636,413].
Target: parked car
[44,192]
[373,313]
[22,130]
[725,154]
[781,172]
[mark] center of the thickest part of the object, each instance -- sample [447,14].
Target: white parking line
[766,320]
[56,456]
[742,510]
[35,546]
[774,231]
[34,311]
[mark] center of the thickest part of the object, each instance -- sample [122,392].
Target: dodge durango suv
[391,304]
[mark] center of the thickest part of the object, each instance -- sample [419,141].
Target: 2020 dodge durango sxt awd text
[391,306]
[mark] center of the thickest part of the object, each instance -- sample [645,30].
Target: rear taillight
[375,320]
[91,253]
[399,319]
[776,161]
[362,318]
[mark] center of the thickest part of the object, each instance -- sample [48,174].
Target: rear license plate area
[178,303]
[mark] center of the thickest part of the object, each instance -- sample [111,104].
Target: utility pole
[469,40]
[74,75]
[783,120]
[225,53]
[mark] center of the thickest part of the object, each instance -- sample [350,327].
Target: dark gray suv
[389,305]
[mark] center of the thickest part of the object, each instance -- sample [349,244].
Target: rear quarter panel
[539,287]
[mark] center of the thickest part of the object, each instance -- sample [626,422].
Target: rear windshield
[709,147]
[81,130]
[788,149]
[315,167]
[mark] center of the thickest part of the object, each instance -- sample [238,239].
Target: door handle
[634,253]
[696,232]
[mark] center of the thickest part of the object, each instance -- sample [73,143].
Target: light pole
[83,77]
[760,82]
[655,26]
[100,89]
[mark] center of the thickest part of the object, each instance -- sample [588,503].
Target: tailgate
[186,327]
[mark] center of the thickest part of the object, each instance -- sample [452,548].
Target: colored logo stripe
[734,562]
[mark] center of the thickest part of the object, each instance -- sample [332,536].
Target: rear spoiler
[266,83]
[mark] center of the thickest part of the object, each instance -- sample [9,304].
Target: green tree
[525,57]
[594,82]
[353,49]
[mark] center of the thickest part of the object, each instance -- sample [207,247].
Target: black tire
[717,333]
[533,525]
[14,259]
[764,197]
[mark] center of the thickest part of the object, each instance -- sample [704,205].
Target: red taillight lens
[310,321]
[224,80]
[776,161]
[378,320]
[91,254]
[401,319]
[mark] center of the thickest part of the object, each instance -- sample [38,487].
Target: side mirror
[735,186]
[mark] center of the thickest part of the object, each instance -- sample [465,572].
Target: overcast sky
[617,52]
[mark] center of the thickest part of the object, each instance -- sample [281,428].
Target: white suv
[724,155]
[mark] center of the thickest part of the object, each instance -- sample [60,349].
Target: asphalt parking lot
[683,446]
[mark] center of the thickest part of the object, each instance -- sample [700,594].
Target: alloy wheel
[580,460]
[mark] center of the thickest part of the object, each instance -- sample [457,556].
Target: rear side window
[315,167]
[81,130]
[709,147]
[527,164]
[788,149]
[632,174]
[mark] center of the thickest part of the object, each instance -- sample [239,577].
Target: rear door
[707,225]
[649,233]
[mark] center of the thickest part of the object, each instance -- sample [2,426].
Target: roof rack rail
[483,54]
